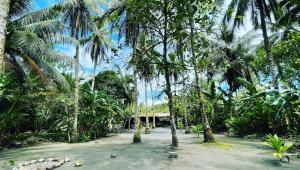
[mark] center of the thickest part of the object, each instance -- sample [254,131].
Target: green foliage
[180,124]
[197,129]
[279,146]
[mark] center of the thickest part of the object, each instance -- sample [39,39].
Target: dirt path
[227,153]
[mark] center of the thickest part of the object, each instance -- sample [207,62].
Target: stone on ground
[173,155]
[78,163]
[113,155]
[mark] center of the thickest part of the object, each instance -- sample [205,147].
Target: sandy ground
[227,153]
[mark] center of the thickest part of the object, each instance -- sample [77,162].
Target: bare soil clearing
[152,153]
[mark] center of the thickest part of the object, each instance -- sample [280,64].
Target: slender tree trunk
[129,124]
[75,134]
[208,134]
[94,76]
[267,44]
[147,130]
[230,95]
[137,135]
[152,106]
[167,76]
[211,82]
[186,123]
[76,98]
[4,10]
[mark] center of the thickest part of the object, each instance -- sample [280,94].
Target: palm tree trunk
[76,97]
[208,134]
[147,130]
[75,134]
[167,77]
[267,44]
[186,123]
[137,135]
[4,10]
[152,106]
[94,76]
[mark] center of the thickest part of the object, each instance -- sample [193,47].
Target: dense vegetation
[208,72]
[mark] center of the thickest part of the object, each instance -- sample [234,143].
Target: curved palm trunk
[4,9]
[208,134]
[147,130]
[137,135]
[167,77]
[267,44]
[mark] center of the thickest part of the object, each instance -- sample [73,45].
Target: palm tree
[128,25]
[146,70]
[237,58]
[77,14]
[97,44]
[208,134]
[260,9]
[32,37]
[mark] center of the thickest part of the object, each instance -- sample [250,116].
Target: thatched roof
[161,114]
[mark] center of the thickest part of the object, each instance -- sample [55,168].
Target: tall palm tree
[147,72]
[77,14]
[98,45]
[260,10]
[128,25]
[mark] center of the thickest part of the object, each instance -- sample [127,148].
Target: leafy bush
[248,123]
[279,146]
[180,124]
[197,129]
[85,137]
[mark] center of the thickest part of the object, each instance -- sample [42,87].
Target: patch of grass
[225,146]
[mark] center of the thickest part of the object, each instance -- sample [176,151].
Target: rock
[41,160]
[67,159]
[78,163]
[33,161]
[56,159]
[50,167]
[49,160]
[61,159]
[21,164]
[173,155]
[41,169]
[56,165]
[27,163]
[113,155]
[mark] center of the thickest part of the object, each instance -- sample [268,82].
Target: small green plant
[279,146]
[85,137]
[180,124]
[197,129]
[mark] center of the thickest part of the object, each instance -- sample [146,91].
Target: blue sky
[119,62]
